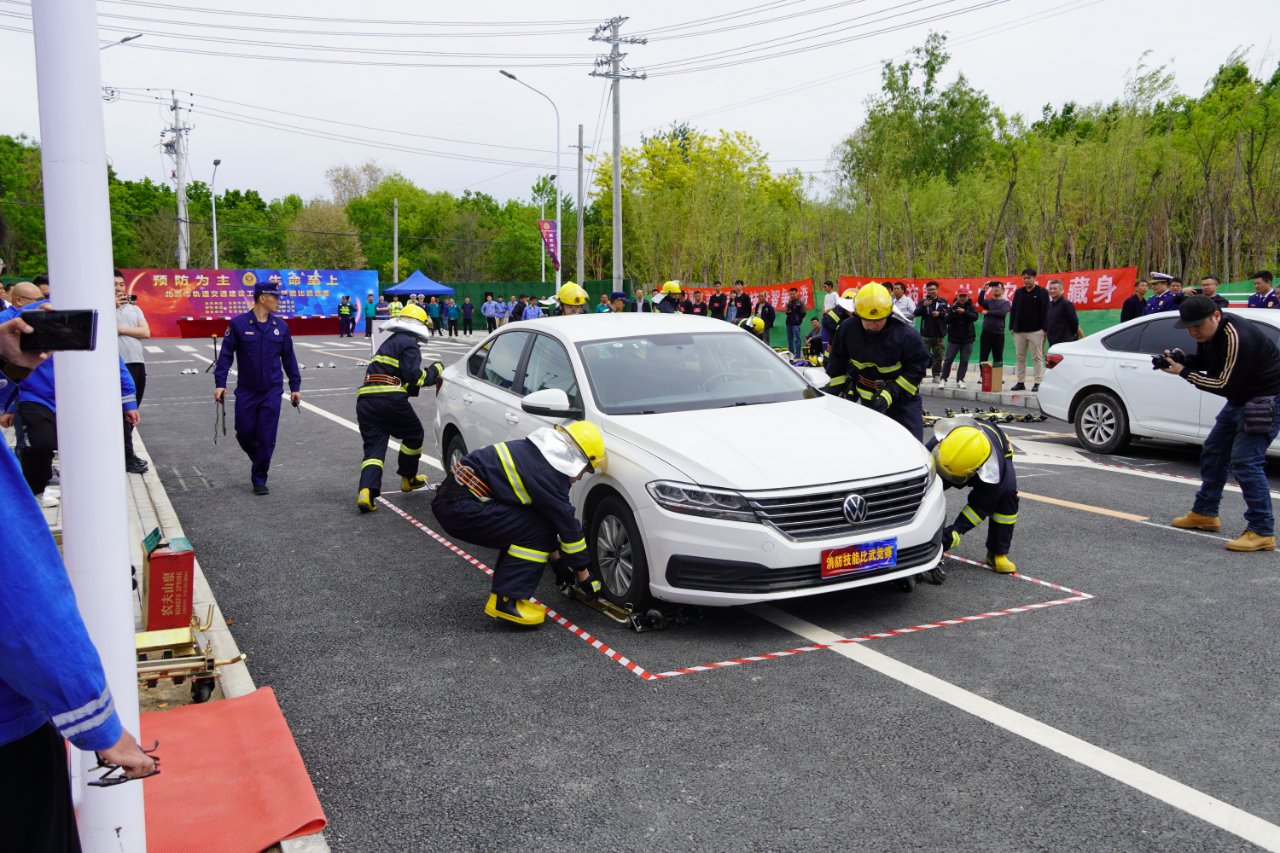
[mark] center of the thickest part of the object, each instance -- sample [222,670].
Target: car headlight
[696,500]
[933,471]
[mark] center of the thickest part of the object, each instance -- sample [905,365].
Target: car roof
[1262,315]
[594,327]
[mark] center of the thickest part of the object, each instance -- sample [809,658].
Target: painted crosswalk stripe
[186,348]
[155,349]
[306,344]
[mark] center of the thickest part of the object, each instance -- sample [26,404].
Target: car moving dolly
[655,618]
[991,415]
[176,654]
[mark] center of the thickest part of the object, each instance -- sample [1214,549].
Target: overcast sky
[1022,53]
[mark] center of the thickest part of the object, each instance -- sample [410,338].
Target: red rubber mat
[231,778]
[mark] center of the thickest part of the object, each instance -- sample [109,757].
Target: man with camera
[1234,359]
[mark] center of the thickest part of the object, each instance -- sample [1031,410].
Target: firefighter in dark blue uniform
[881,359]
[383,409]
[668,299]
[260,343]
[977,454]
[514,496]
[832,319]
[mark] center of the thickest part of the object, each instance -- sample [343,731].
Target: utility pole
[176,147]
[608,32]
[578,254]
[395,240]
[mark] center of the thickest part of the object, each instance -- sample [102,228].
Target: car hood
[773,445]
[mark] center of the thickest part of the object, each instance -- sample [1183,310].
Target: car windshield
[682,372]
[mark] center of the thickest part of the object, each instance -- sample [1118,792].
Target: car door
[547,366]
[491,394]
[1159,404]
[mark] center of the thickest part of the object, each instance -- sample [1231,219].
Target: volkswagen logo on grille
[855,509]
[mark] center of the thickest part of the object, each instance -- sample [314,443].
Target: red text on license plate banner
[859,558]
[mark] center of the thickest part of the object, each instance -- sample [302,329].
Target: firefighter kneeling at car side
[977,454]
[754,325]
[514,496]
[878,359]
[383,409]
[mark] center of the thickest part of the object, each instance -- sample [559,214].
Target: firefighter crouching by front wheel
[383,409]
[514,496]
[968,452]
[878,359]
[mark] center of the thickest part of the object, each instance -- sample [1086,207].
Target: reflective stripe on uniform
[906,386]
[573,547]
[864,393]
[868,365]
[366,463]
[531,554]
[513,476]
[1000,518]
[839,380]
[381,389]
[410,451]
[973,517]
[386,359]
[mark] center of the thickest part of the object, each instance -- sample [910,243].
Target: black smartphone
[60,330]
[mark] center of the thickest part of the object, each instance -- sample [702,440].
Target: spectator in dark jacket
[1209,288]
[1133,306]
[716,302]
[1064,323]
[1028,319]
[962,316]
[742,300]
[932,311]
[795,317]
[996,308]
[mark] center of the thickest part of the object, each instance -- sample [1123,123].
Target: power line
[233,12]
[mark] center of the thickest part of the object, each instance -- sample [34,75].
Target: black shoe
[261,490]
[137,465]
[1035,387]
[1018,387]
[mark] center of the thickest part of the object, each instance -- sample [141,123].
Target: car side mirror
[816,377]
[550,403]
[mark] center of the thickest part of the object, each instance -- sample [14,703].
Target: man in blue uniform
[514,496]
[261,344]
[977,454]
[383,409]
[1164,298]
[1264,295]
[881,358]
[346,317]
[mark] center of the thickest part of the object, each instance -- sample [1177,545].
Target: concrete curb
[1020,399]
[236,680]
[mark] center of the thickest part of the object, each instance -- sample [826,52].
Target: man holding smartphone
[260,343]
[131,330]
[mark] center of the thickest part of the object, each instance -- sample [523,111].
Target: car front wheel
[454,450]
[1102,425]
[617,553]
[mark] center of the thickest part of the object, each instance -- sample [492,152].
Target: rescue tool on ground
[978,455]
[514,496]
[383,409]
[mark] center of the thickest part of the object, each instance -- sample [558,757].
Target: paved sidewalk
[1003,398]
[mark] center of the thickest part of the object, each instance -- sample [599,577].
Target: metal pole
[542,250]
[581,274]
[615,60]
[213,200]
[180,167]
[95,519]
[395,240]
[559,244]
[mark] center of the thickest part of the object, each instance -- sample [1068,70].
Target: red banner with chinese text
[776,294]
[1088,290]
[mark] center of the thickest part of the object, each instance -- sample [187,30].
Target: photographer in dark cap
[1235,359]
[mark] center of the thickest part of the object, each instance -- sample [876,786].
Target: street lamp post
[213,200]
[559,247]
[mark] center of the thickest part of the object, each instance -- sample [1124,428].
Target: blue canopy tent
[418,283]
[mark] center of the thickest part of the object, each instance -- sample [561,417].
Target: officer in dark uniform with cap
[260,343]
[383,409]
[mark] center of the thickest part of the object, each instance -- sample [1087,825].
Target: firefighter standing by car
[880,359]
[977,454]
[514,496]
[835,315]
[383,409]
[668,299]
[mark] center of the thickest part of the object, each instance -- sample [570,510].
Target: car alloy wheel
[614,556]
[1098,420]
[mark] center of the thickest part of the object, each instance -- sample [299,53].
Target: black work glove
[590,588]
[878,402]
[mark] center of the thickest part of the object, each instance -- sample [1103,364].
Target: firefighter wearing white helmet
[975,454]
[669,297]
[881,358]
[838,313]
[514,496]
[383,409]
[572,298]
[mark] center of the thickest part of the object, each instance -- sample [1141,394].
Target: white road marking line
[1167,526]
[186,348]
[1195,803]
[154,349]
[351,425]
[1028,429]
[306,344]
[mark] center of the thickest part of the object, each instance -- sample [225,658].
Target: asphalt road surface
[1139,712]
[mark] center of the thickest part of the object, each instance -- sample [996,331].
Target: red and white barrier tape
[632,666]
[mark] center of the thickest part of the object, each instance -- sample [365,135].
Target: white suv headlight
[696,500]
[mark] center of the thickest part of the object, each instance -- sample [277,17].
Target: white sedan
[1105,385]
[731,480]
